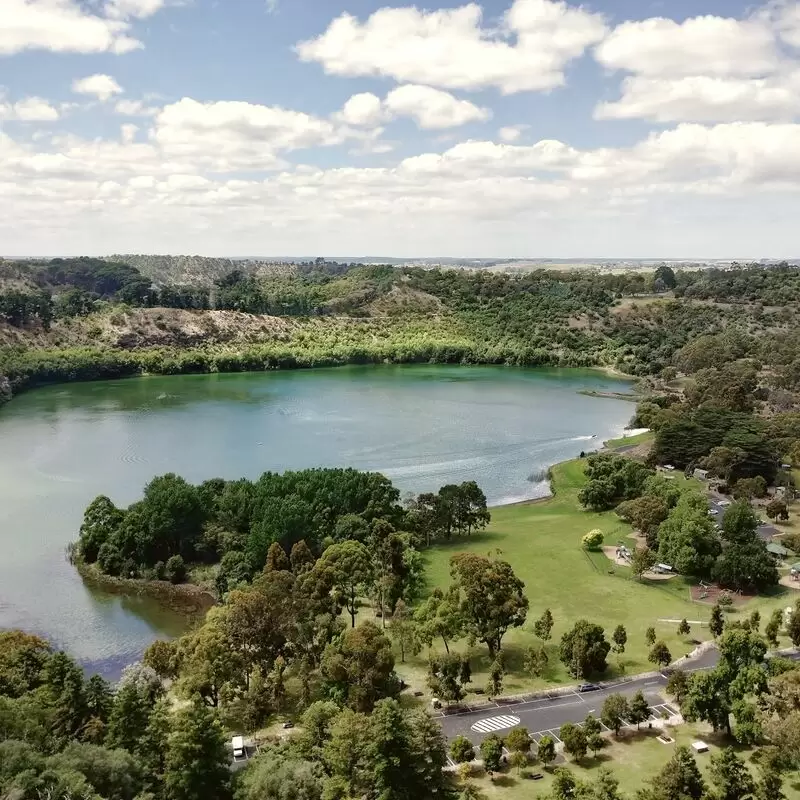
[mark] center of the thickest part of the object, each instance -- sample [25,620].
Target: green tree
[594,734]
[620,639]
[440,617]
[536,661]
[643,559]
[614,712]
[776,509]
[730,775]
[543,626]
[492,599]
[660,655]
[101,520]
[196,765]
[574,738]
[650,636]
[605,786]
[565,785]
[128,719]
[358,668]
[687,539]
[546,750]
[161,656]
[755,621]
[584,649]
[770,784]
[679,778]
[684,628]
[518,740]
[518,760]
[447,676]
[638,709]
[494,686]
[461,750]
[403,631]
[492,753]
[645,514]
[773,627]
[793,626]
[717,621]
[678,685]
[348,564]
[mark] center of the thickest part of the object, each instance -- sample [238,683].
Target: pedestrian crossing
[499,723]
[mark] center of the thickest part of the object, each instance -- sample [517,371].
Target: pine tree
[650,636]
[717,622]
[196,765]
[684,628]
[128,720]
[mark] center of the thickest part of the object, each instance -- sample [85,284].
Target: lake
[422,426]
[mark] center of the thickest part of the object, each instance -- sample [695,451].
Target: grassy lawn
[542,541]
[629,441]
[633,759]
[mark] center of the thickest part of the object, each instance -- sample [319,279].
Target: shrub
[593,540]
[176,570]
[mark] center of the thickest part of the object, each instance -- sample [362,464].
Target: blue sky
[527,128]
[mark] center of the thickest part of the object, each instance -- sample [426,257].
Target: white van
[237,744]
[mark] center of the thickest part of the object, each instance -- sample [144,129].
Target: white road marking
[499,723]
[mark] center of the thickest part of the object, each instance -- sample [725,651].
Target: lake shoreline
[186,599]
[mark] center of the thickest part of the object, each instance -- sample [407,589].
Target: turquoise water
[422,426]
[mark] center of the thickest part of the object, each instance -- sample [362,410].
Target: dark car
[588,687]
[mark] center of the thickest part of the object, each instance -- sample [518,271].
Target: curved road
[547,714]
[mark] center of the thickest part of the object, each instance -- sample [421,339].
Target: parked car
[588,687]
[288,724]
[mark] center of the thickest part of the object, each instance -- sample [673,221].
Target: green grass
[542,541]
[629,441]
[632,759]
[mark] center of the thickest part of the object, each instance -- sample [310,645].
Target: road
[547,715]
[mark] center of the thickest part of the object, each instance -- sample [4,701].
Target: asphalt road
[547,715]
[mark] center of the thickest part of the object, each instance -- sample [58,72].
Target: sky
[507,128]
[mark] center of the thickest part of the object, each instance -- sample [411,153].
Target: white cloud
[451,48]
[125,9]
[135,108]
[511,133]
[708,45]
[128,132]
[232,135]
[62,26]
[362,109]
[703,98]
[430,108]
[103,87]
[30,109]
[272,6]
[433,108]
[788,22]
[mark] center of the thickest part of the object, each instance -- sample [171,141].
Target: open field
[542,541]
[632,759]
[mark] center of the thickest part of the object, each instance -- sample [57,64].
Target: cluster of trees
[236,523]
[612,480]
[680,532]
[63,736]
